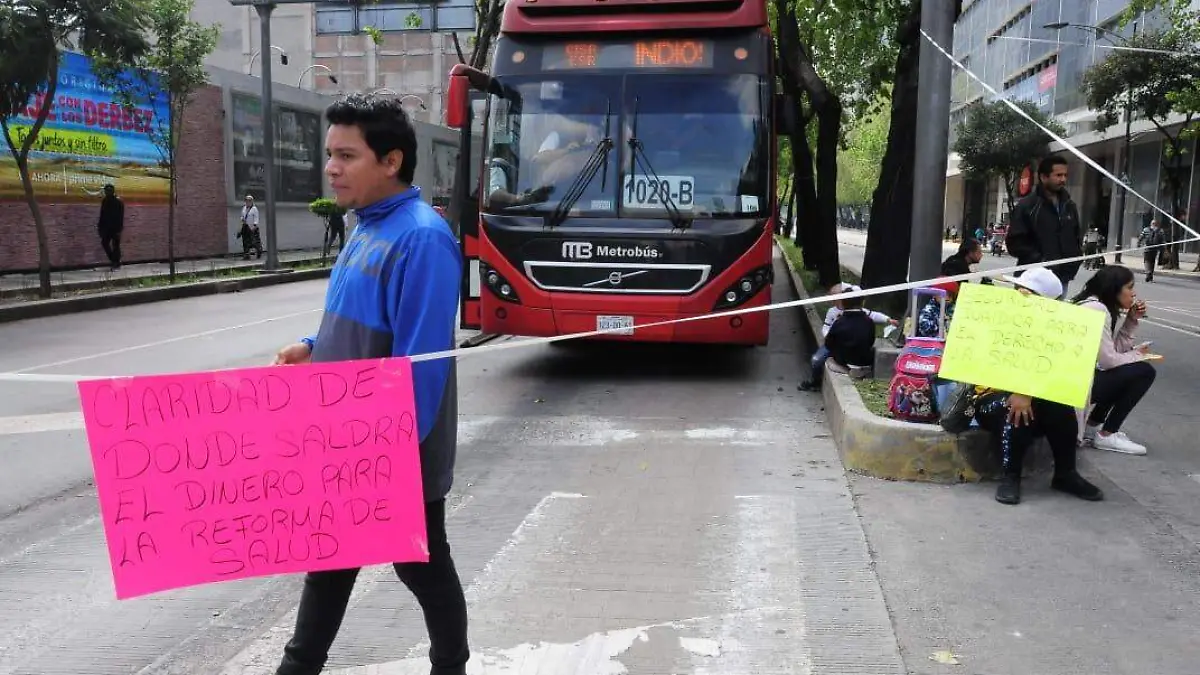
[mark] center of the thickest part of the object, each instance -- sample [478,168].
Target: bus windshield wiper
[637,155]
[597,160]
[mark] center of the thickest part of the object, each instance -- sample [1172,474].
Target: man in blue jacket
[393,292]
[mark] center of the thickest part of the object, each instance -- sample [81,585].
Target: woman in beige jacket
[1123,368]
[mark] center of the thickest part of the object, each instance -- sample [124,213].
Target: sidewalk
[23,284]
[1187,261]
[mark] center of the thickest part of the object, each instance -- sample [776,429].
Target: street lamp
[420,101]
[283,58]
[332,78]
[1113,36]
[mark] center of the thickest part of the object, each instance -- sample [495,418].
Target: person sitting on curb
[929,317]
[1123,370]
[817,363]
[1016,420]
[851,339]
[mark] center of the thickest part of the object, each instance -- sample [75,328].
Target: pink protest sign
[216,476]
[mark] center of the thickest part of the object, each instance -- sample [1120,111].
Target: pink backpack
[911,393]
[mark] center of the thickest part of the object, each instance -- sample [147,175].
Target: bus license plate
[619,325]
[646,192]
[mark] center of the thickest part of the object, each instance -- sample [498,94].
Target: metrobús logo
[586,250]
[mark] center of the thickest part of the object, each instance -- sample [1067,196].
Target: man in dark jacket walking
[1044,226]
[110,225]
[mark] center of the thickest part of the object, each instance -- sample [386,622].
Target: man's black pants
[111,243]
[435,584]
[1151,260]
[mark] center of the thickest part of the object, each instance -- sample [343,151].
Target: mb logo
[577,250]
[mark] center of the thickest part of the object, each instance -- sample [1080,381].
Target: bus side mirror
[785,114]
[456,101]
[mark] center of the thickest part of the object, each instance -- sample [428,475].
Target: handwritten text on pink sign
[216,476]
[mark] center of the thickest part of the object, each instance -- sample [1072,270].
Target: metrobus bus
[626,170]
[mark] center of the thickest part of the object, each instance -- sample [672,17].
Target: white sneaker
[1089,436]
[1118,442]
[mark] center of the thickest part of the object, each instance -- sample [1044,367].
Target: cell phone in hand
[1144,345]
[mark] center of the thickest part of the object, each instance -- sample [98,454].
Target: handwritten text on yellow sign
[1026,344]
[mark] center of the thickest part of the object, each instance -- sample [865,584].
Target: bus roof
[607,16]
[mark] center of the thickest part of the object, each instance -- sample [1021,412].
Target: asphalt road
[617,509]
[655,509]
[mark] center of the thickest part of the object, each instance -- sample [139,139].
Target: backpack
[912,395]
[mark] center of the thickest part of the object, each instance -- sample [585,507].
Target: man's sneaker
[809,385]
[1118,442]
[1074,484]
[1089,435]
[1009,490]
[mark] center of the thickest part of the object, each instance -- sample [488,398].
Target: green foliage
[853,47]
[860,160]
[325,208]
[375,34]
[995,141]
[413,20]
[1153,84]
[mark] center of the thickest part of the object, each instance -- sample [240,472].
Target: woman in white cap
[1017,420]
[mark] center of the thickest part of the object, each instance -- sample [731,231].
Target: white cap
[1039,280]
[848,288]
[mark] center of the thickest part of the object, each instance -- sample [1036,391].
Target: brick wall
[200,216]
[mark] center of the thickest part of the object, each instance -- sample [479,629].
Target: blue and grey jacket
[394,292]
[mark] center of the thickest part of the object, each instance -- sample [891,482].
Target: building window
[394,16]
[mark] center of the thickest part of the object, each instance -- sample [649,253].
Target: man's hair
[853,303]
[1046,167]
[384,125]
[969,245]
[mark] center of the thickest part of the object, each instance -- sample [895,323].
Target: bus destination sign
[640,54]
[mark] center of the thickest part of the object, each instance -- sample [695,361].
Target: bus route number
[646,192]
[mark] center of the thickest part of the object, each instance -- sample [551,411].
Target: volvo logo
[577,250]
[614,279]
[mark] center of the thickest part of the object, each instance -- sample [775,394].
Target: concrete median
[895,450]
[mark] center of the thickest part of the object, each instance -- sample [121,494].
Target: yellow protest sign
[1025,344]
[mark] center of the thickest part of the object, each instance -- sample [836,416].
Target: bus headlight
[498,285]
[744,289]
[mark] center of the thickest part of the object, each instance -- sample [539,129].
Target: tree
[1156,85]
[175,68]
[32,35]
[487,27]
[326,209]
[835,58]
[859,160]
[996,141]
[889,234]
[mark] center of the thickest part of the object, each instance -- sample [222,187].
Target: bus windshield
[702,144]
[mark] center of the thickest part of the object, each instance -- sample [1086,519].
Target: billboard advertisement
[299,151]
[88,140]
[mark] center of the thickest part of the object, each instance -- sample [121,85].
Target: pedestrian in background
[111,224]
[1044,227]
[251,239]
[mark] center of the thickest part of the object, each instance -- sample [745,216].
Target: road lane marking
[37,424]
[1192,331]
[159,343]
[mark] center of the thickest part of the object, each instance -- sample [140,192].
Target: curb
[131,283]
[895,450]
[36,309]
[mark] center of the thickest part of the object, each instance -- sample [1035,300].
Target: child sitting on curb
[835,314]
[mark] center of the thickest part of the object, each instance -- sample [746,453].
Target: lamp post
[332,77]
[1112,35]
[283,58]
[385,90]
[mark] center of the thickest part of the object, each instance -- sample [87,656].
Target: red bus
[623,171]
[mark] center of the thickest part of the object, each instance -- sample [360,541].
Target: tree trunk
[889,234]
[829,126]
[821,251]
[805,191]
[791,214]
[39,225]
[21,155]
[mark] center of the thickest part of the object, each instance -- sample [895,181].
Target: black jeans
[111,243]
[1151,259]
[1055,421]
[1117,392]
[435,585]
